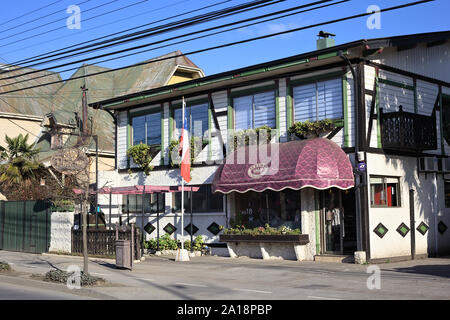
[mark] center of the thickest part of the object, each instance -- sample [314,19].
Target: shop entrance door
[332,222]
[338,222]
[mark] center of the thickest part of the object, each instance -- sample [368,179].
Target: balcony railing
[408,131]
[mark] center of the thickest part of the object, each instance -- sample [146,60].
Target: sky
[26,32]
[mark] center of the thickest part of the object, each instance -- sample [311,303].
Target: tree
[20,161]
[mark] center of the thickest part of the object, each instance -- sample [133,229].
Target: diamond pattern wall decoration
[442,227]
[403,230]
[149,228]
[423,228]
[170,228]
[380,230]
[188,229]
[214,228]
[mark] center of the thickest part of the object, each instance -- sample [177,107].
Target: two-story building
[389,100]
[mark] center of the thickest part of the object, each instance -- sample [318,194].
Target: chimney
[324,40]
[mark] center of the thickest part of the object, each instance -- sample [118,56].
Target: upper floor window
[446,117]
[318,101]
[384,192]
[197,116]
[254,111]
[147,129]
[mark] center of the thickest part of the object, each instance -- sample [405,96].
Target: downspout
[358,183]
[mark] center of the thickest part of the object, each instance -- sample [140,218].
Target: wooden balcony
[408,131]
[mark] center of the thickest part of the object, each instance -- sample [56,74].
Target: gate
[25,226]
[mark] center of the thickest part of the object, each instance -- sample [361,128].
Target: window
[318,101]
[197,116]
[282,208]
[147,129]
[447,193]
[254,111]
[202,201]
[133,203]
[384,192]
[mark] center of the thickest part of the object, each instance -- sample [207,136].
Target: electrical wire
[138,27]
[164,28]
[31,12]
[233,43]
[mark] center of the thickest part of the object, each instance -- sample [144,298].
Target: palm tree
[19,159]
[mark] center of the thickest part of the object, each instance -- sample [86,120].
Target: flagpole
[182,190]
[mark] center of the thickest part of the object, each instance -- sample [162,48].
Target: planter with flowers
[310,130]
[266,242]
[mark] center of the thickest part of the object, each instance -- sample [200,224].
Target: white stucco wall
[61,234]
[428,202]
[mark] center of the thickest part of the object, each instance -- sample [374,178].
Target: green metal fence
[25,226]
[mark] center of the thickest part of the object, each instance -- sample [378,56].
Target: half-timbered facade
[389,100]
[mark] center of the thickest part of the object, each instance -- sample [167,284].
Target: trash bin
[123,254]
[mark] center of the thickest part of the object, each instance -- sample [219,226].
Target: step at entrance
[335,258]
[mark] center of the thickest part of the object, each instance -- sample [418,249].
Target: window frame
[339,76]
[398,194]
[125,208]
[146,113]
[252,92]
[189,104]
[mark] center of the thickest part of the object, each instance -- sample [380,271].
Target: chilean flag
[185,149]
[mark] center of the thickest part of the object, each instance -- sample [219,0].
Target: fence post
[132,245]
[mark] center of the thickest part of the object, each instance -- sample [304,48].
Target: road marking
[146,279]
[191,284]
[102,274]
[323,298]
[251,290]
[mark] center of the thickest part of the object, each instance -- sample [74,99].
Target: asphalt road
[10,291]
[217,278]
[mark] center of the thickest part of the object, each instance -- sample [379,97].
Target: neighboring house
[394,118]
[66,116]
[22,112]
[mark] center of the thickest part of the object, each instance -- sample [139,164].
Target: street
[219,278]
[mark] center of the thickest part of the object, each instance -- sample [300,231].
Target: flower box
[301,239]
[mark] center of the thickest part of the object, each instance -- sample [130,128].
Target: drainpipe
[358,183]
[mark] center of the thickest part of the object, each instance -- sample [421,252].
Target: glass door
[333,222]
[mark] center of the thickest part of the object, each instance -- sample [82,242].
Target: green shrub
[167,243]
[197,145]
[4,266]
[61,276]
[260,135]
[303,129]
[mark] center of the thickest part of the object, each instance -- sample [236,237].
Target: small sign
[256,171]
[362,166]
[69,161]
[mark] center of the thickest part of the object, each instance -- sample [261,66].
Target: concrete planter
[285,247]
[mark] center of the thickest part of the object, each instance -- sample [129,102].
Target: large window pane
[243,112]
[138,130]
[202,201]
[197,120]
[384,192]
[305,102]
[135,203]
[264,109]
[447,194]
[153,128]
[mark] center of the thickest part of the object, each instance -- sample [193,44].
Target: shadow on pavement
[432,270]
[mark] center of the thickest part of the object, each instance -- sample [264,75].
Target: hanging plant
[142,155]
[260,135]
[197,145]
[308,129]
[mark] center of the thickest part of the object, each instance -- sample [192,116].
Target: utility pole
[84,134]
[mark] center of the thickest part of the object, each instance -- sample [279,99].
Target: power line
[210,34]
[31,12]
[63,27]
[90,29]
[28,60]
[234,43]
[160,29]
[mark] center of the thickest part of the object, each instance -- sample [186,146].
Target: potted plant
[142,155]
[260,135]
[312,129]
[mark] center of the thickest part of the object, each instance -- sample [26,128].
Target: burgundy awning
[317,163]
